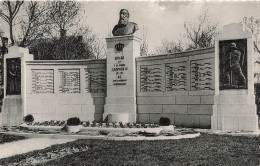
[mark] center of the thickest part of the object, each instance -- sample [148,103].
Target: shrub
[86,124]
[121,125]
[93,123]
[28,118]
[73,121]
[103,132]
[164,121]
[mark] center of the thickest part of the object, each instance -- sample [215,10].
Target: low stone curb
[125,138]
[110,130]
[55,128]
[123,130]
[238,133]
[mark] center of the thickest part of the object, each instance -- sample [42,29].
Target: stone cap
[233,31]
[121,38]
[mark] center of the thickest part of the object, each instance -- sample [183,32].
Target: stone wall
[179,86]
[57,90]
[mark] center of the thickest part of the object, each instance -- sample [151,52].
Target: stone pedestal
[234,108]
[121,78]
[15,89]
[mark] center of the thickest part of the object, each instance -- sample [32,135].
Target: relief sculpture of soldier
[13,77]
[233,63]
[124,27]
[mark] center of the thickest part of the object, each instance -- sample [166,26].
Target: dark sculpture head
[123,16]
[124,27]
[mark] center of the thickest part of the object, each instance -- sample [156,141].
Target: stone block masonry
[178,86]
[58,90]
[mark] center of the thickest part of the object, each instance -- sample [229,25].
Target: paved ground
[24,146]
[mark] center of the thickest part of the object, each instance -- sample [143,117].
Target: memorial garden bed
[208,149]
[105,129]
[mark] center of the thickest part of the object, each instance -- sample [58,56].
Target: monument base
[12,114]
[234,123]
[235,113]
[120,112]
[120,117]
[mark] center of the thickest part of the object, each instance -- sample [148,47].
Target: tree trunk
[11,32]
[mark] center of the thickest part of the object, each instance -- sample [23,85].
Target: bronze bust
[124,27]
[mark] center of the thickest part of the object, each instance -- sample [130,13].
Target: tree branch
[5,17]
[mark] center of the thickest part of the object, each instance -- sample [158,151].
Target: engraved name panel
[202,75]
[42,81]
[176,76]
[69,81]
[95,80]
[151,79]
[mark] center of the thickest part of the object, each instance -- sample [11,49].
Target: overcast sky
[163,20]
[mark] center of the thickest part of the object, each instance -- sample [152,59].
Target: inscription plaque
[119,68]
[202,75]
[151,79]
[69,81]
[13,86]
[95,80]
[42,81]
[176,76]
[233,64]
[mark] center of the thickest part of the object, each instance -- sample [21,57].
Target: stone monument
[122,50]
[14,106]
[235,108]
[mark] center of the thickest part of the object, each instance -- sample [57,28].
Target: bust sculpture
[124,27]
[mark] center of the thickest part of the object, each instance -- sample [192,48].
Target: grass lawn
[9,138]
[204,150]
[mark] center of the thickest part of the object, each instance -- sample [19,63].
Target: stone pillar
[14,107]
[234,108]
[121,78]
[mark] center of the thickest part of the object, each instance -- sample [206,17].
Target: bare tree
[200,34]
[253,25]
[98,47]
[94,45]
[63,14]
[34,23]
[144,45]
[168,47]
[8,14]
[82,44]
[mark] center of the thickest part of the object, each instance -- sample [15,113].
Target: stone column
[234,107]
[14,102]
[121,78]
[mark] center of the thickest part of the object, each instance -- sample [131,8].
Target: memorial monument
[122,49]
[15,85]
[204,88]
[235,108]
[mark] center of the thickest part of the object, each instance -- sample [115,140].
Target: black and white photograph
[122,82]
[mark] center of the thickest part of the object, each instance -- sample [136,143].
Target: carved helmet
[233,46]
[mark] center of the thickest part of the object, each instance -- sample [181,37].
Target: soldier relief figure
[233,68]
[13,76]
[124,27]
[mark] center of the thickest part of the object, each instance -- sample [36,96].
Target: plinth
[120,103]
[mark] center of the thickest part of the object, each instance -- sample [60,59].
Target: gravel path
[24,146]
